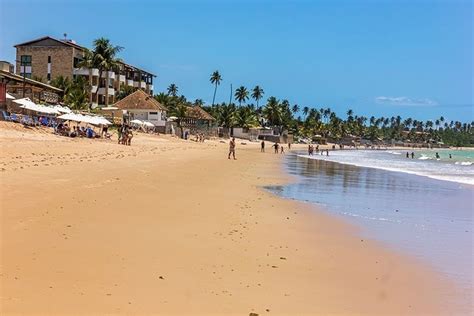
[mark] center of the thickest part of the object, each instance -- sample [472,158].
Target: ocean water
[400,202]
[459,168]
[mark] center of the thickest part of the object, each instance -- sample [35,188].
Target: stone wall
[61,61]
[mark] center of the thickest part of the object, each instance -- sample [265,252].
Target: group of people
[436,155]
[125,134]
[199,138]
[276,146]
[312,149]
[77,131]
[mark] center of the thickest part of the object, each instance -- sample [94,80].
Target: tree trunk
[214,98]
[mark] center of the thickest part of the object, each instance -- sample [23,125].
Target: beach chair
[14,118]
[6,117]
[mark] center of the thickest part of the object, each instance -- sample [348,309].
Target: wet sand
[169,227]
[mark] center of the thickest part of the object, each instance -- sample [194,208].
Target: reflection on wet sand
[430,219]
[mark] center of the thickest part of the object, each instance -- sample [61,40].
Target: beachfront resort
[122,195]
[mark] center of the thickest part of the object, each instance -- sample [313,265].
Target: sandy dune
[169,227]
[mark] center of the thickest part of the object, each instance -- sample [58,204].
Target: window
[153,113]
[49,59]
[27,75]
[25,60]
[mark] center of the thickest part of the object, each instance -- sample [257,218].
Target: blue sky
[383,58]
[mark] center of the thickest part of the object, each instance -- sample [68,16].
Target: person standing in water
[327,152]
[289,145]
[450,157]
[232,148]
[408,155]
[262,146]
[412,155]
[437,156]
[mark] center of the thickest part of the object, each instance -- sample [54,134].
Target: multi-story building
[48,58]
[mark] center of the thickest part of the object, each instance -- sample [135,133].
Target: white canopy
[9,96]
[95,120]
[27,104]
[62,109]
[148,124]
[136,122]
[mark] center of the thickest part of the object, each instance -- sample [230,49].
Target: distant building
[47,58]
[142,106]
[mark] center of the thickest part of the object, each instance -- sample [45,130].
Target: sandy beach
[172,227]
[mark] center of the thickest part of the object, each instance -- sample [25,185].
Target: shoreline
[172,227]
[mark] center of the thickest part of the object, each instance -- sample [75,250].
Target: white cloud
[405,101]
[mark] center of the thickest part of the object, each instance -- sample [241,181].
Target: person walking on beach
[232,148]
[276,147]
[282,149]
[310,152]
[327,152]
[262,146]
[289,146]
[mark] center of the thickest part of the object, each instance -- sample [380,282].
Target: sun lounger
[6,117]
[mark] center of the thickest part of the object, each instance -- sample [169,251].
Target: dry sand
[171,227]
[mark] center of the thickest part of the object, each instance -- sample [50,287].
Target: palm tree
[241,95]
[273,111]
[245,117]
[105,60]
[180,112]
[295,108]
[198,102]
[305,111]
[257,93]
[62,83]
[88,62]
[173,90]
[77,99]
[216,80]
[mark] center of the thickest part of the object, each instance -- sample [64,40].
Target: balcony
[111,91]
[143,85]
[111,75]
[150,87]
[94,89]
[136,84]
[121,78]
[130,83]
[85,71]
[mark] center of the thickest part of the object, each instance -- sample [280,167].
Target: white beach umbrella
[148,124]
[136,122]
[10,97]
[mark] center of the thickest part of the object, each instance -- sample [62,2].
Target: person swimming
[450,157]
[437,156]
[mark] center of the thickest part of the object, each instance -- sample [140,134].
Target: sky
[383,58]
